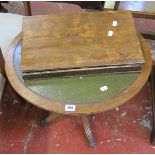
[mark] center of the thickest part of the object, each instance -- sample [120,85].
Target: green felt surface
[83,90]
[77,90]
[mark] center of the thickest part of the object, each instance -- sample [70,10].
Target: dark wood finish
[7,86]
[97,5]
[2,71]
[2,64]
[0,6]
[148,36]
[152,80]
[78,41]
[27,8]
[82,72]
[2,9]
[116,5]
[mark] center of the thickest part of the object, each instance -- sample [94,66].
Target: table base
[55,116]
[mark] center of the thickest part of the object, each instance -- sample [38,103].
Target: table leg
[88,130]
[52,117]
[27,7]
[152,78]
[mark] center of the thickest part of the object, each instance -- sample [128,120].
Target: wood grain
[59,107]
[79,40]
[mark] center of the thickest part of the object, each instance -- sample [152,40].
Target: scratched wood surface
[80,40]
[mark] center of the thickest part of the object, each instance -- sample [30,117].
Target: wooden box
[80,44]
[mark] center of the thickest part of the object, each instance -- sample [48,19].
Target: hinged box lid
[67,42]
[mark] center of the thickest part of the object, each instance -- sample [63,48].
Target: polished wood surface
[59,107]
[80,40]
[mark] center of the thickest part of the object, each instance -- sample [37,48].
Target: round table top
[80,94]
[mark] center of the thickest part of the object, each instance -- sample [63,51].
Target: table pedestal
[55,116]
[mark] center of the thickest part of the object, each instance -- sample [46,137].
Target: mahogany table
[76,95]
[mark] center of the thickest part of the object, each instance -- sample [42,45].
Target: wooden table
[76,95]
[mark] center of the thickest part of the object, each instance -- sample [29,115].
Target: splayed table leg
[88,130]
[51,118]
